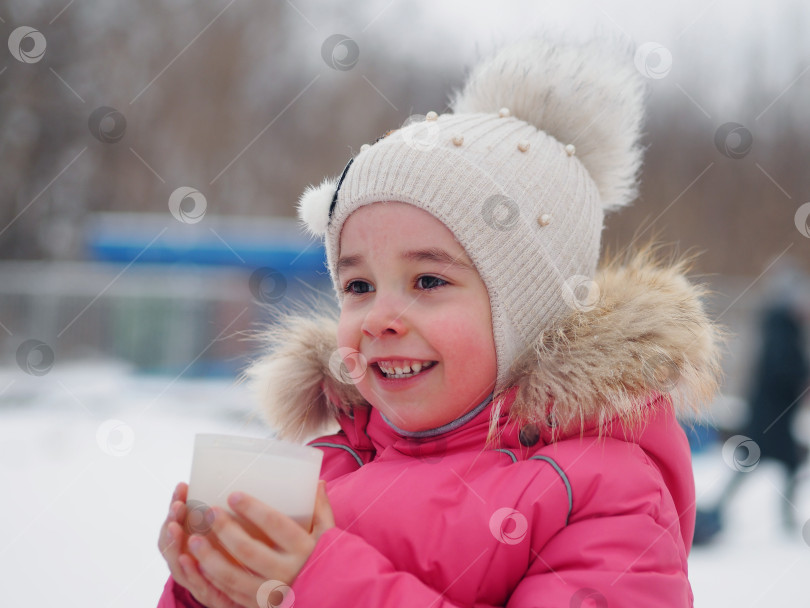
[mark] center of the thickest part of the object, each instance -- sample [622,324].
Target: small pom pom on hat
[314,204]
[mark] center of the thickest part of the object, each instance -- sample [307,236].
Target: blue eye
[358,287]
[430,282]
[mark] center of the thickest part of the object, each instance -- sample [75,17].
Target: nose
[385,317]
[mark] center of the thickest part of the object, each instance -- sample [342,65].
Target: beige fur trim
[298,393]
[647,332]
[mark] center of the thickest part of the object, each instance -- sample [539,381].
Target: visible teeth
[403,369]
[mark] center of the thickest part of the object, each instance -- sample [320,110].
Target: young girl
[506,412]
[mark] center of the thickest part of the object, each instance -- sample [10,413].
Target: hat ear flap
[314,204]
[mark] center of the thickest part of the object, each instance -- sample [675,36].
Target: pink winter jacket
[585,499]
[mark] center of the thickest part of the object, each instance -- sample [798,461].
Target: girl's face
[418,313]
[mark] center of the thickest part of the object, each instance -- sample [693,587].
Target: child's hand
[259,562]
[172,543]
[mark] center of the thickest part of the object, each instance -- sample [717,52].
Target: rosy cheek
[450,337]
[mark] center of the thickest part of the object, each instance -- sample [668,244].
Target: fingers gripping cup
[281,474]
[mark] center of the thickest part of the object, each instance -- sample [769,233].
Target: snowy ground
[89,456]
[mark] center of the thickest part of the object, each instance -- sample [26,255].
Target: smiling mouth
[399,369]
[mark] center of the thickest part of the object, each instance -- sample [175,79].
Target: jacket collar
[441,430]
[468,432]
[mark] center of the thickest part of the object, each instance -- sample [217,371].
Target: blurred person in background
[779,382]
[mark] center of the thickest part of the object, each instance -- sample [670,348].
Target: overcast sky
[713,43]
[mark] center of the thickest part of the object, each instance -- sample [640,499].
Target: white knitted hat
[543,139]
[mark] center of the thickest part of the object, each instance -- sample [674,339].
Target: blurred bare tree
[238,102]
[728,180]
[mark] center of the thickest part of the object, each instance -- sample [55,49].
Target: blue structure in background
[214,241]
[701,435]
[167,326]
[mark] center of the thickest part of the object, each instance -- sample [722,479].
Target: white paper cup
[281,474]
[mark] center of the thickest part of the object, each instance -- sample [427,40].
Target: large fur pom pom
[313,206]
[587,94]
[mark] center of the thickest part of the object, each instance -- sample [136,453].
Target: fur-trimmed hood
[647,332]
